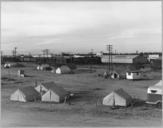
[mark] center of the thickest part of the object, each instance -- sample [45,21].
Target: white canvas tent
[154,93]
[53,70]
[55,94]
[43,67]
[7,65]
[115,75]
[117,98]
[50,92]
[25,94]
[38,67]
[63,70]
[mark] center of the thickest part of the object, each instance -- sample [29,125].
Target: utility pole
[1,57]
[45,54]
[15,49]
[110,66]
[14,52]
[92,52]
[91,59]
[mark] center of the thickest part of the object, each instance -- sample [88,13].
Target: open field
[85,108]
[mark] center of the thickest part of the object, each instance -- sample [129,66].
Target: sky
[81,26]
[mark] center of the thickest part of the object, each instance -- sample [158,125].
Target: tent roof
[55,88]
[53,68]
[29,91]
[119,72]
[115,72]
[59,90]
[157,85]
[64,67]
[122,93]
[45,65]
[48,85]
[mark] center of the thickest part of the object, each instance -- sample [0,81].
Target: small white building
[154,93]
[134,75]
[25,94]
[21,73]
[63,70]
[117,98]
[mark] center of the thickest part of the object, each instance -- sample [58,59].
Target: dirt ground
[85,109]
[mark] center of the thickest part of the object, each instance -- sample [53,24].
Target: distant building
[24,58]
[125,59]
[87,60]
[21,73]
[117,98]
[78,56]
[121,59]
[140,59]
[42,56]
[99,54]
[156,63]
[153,56]
[25,94]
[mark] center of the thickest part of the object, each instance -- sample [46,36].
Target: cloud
[73,24]
[44,20]
[136,32]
